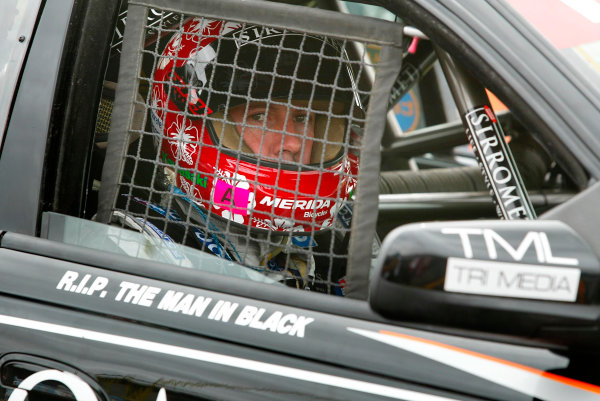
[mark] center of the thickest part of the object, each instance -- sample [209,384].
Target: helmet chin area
[271,198]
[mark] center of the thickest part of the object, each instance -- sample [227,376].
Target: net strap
[364,220]
[125,97]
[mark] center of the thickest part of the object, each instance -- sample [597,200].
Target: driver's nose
[288,144]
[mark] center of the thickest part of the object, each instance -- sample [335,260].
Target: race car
[169,242]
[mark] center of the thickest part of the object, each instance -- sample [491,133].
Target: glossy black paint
[327,346]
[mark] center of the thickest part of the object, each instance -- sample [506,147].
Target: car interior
[428,170]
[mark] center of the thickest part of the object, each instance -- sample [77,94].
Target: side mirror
[535,279]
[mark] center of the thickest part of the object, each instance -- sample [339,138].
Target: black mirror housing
[536,279]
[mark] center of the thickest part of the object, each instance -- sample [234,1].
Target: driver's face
[276,131]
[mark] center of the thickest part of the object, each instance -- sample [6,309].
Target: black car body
[80,322]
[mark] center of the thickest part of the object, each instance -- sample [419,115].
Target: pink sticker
[231,198]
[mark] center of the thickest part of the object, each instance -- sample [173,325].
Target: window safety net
[252,138]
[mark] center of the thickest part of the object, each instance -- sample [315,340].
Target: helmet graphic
[253,123]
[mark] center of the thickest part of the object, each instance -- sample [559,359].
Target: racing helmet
[207,81]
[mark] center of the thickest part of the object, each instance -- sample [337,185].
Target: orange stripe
[561,379]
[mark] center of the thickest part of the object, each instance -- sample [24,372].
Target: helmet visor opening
[296,132]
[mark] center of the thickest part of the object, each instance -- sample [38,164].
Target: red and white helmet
[214,66]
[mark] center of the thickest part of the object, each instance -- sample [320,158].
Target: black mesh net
[249,147]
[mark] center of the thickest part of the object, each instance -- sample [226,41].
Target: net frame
[300,19]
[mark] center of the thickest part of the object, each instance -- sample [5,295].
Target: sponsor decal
[253,33]
[184,303]
[551,281]
[516,280]
[536,239]
[310,204]
[231,197]
[190,175]
[196,178]
[487,139]
[315,214]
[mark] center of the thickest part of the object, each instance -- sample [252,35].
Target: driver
[253,129]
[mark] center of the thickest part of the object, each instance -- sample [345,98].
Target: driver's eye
[302,117]
[259,117]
